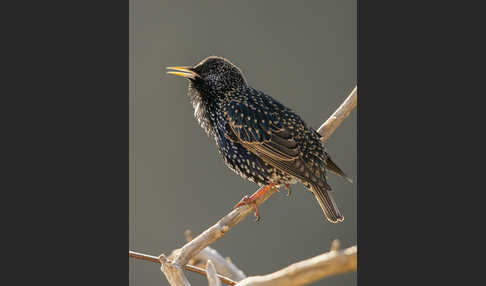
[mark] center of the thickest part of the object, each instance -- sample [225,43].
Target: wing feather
[261,131]
[257,127]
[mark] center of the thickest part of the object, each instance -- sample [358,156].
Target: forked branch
[223,266]
[307,271]
[192,268]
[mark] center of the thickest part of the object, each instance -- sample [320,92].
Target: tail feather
[331,166]
[327,204]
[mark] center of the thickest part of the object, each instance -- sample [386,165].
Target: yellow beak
[182,71]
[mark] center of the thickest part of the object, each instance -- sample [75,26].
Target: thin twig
[192,268]
[223,266]
[211,274]
[335,245]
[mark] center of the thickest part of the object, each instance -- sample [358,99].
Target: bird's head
[213,76]
[210,82]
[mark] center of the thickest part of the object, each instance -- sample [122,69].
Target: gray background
[302,53]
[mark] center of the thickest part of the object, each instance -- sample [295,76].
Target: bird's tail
[327,203]
[331,166]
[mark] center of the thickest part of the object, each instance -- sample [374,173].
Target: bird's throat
[205,109]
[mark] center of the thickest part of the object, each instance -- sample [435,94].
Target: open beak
[183,71]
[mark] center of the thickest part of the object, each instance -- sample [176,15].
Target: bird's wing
[259,128]
[260,131]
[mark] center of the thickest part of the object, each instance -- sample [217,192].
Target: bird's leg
[289,191]
[251,200]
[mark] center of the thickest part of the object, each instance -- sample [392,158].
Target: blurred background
[302,53]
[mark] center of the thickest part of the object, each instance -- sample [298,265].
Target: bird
[258,137]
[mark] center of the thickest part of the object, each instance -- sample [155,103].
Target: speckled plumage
[259,138]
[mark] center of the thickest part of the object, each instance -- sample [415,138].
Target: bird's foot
[289,191]
[248,200]
[251,200]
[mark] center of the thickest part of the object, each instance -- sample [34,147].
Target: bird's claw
[247,200]
[244,201]
[251,200]
[289,191]
[257,219]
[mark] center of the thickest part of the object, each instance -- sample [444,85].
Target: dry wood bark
[309,270]
[192,268]
[223,266]
[211,274]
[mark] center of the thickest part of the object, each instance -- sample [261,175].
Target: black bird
[259,138]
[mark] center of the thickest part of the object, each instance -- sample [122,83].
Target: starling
[259,138]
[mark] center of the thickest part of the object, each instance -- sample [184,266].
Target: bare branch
[223,266]
[187,267]
[173,273]
[309,270]
[218,230]
[343,111]
[211,274]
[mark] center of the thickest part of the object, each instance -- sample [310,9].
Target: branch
[309,270]
[217,231]
[343,111]
[191,268]
[335,245]
[211,274]
[223,266]
[173,273]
